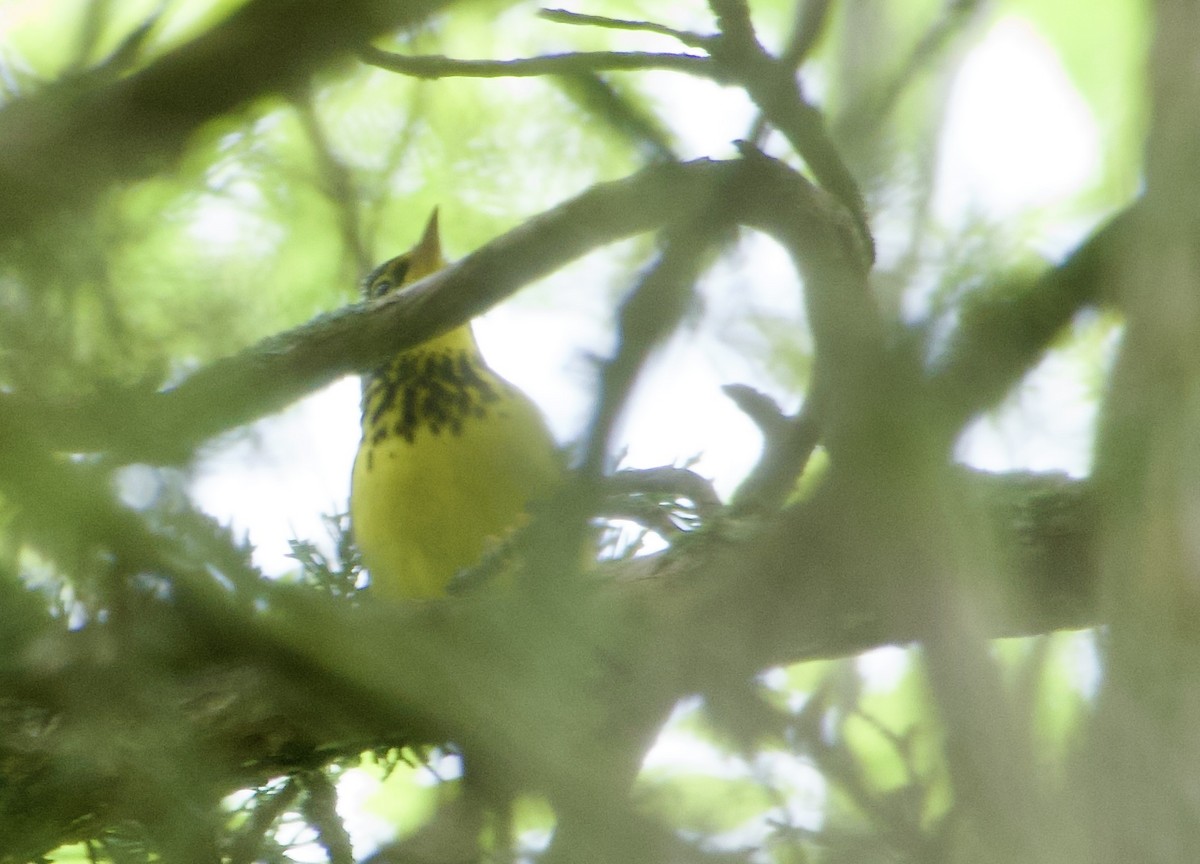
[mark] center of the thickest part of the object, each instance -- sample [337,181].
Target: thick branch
[165,426]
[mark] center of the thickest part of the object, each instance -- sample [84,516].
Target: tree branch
[436,66]
[773,87]
[158,427]
[1006,329]
[282,688]
[562,16]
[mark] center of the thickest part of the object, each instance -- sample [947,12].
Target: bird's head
[418,262]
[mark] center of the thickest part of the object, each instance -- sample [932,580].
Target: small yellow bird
[451,453]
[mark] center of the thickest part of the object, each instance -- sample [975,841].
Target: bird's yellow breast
[451,456]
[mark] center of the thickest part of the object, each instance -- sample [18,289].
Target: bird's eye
[387,277]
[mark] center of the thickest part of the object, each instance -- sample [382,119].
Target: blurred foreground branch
[254,691]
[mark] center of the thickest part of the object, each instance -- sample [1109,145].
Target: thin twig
[664,499]
[562,16]
[437,66]
[788,442]
[248,843]
[649,314]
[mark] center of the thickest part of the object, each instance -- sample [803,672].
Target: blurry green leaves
[883,68]
[1056,678]
[853,756]
[490,150]
[708,805]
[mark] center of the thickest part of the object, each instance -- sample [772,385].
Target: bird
[451,455]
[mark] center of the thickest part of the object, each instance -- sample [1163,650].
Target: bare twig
[248,844]
[1006,329]
[320,807]
[436,66]
[562,16]
[648,315]
[788,442]
[665,499]
[811,16]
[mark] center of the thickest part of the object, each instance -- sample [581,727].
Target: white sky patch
[677,751]
[276,483]
[665,752]
[1018,135]
[1047,424]
[368,830]
[1087,671]
[677,412]
[804,785]
[705,117]
[882,668]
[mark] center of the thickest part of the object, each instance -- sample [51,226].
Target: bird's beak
[427,254]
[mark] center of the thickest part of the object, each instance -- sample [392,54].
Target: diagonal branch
[165,426]
[1005,330]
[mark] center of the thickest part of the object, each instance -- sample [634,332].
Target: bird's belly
[423,510]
